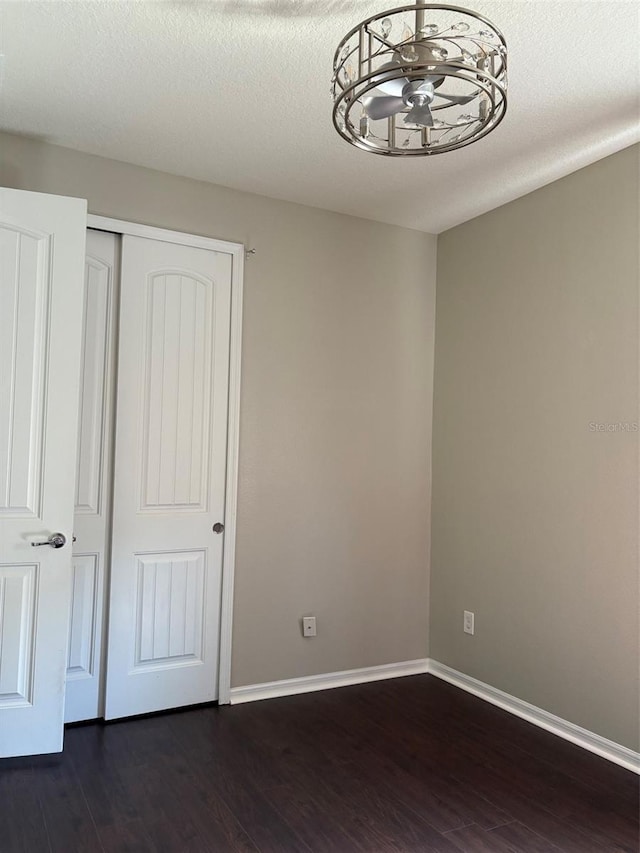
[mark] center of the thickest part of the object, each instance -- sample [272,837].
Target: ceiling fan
[401,93]
[400,76]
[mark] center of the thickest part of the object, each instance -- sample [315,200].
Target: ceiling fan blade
[382,107]
[391,87]
[420,115]
[456,99]
[395,87]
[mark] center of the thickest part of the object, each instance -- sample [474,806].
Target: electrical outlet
[469,622]
[309,626]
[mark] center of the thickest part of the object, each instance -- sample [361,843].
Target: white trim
[608,749]
[326,681]
[231,497]
[237,252]
[134,229]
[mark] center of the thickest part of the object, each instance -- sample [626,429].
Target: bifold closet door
[93,478]
[169,479]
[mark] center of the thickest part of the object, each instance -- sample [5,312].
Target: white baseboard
[326,681]
[608,749]
[590,741]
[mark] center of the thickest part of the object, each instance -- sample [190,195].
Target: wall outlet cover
[308,626]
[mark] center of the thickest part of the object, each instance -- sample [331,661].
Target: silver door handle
[218,527]
[56,540]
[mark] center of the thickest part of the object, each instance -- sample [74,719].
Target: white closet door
[42,243]
[93,479]
[169,487]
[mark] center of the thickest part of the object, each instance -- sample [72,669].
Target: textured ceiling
[237,93]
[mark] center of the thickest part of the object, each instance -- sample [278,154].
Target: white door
[42,240]
[93,479]
[169,487]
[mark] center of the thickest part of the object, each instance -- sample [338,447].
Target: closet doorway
[156,477]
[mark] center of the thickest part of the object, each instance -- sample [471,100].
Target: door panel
[26,293]
[42,240]
[81,660]
[169,477]
[178,360]
[170,609]
[18,588]
[93,474]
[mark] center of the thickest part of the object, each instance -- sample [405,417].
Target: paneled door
[42,243]
[169,485]
[93,478]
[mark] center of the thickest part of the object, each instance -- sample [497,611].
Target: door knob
[218,527]
[56,540]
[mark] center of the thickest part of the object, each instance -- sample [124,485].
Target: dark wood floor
[404,765]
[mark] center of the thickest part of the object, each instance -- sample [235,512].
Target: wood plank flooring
[412,764]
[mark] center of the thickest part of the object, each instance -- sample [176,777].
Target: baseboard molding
[326,681]
[590,741]
[608,749]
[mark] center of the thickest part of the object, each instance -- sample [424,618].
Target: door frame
[237,251]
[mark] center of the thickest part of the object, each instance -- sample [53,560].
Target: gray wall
[334,498]
[535,514]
